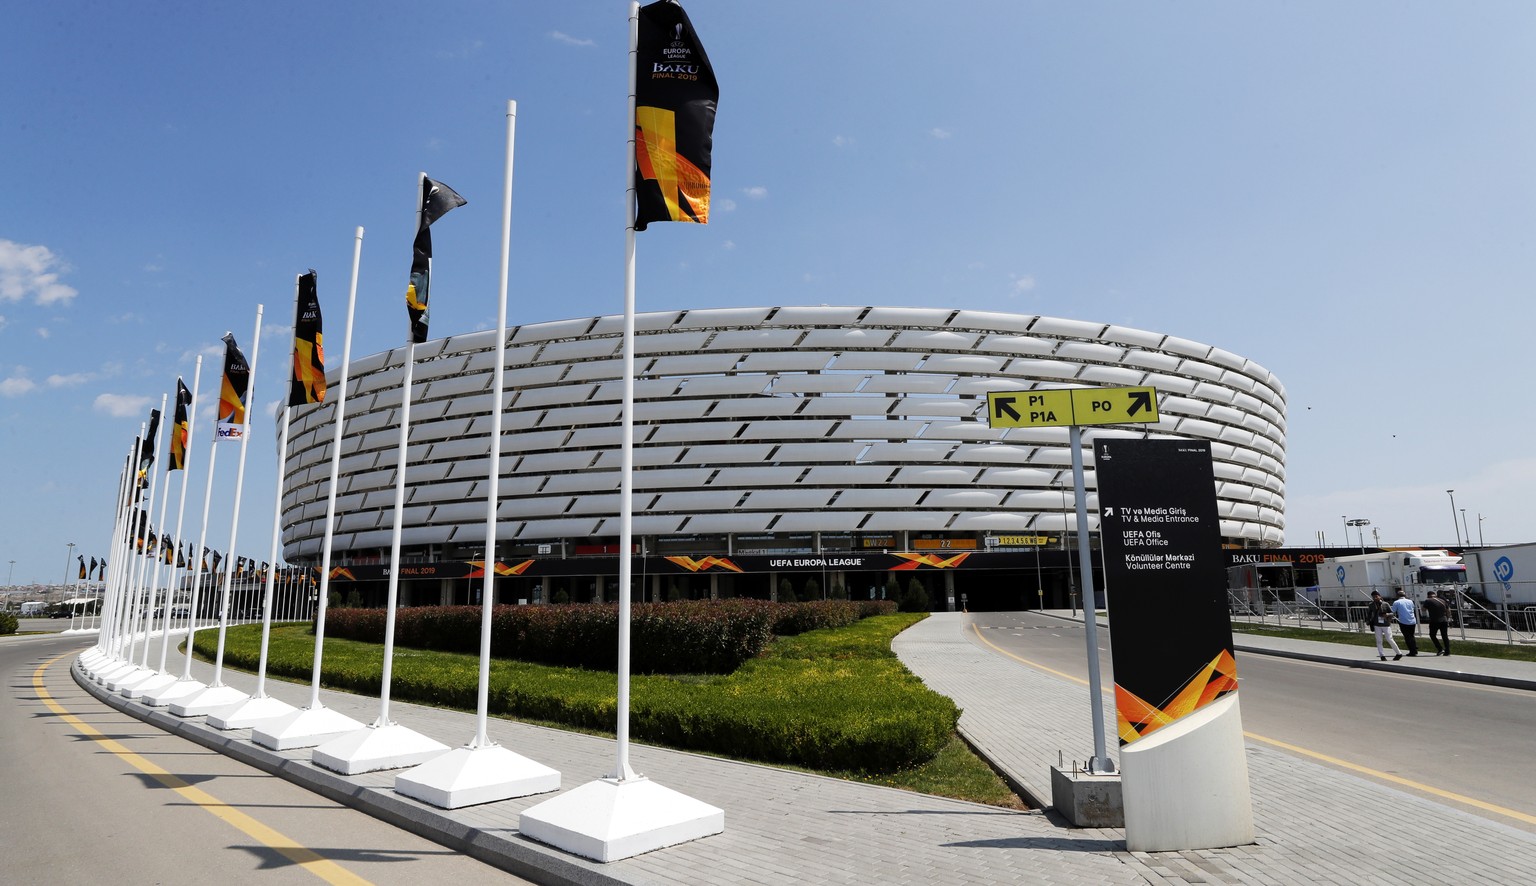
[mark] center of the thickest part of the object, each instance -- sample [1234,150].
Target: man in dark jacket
[1439,618]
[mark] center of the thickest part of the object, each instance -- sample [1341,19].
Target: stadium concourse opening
[974,580]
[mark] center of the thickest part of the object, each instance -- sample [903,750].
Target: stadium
[814,451]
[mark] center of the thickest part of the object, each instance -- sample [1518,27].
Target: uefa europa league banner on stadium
[1165,576]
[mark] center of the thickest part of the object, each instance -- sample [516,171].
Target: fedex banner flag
[1166,577]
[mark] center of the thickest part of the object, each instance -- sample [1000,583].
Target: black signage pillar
[1165,572]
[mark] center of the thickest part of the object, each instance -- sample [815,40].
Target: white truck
[32,609]
[1506,576]
[1347,582]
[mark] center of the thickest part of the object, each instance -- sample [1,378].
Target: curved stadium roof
[768,420]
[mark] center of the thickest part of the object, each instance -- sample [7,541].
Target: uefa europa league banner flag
[179,428]
[1166,576]
[308,384]
[436,200]
[675,96]
[232,391]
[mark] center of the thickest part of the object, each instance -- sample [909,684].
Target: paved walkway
[785,827]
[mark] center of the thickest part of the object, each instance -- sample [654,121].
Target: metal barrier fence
[1492,611]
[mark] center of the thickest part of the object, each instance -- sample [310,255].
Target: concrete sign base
[302,728]
[247,713]
[1186,785]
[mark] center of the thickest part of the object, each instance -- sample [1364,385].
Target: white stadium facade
[818,450]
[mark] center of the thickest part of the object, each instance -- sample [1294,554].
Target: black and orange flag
[167,550]
[436,200]
[675,97]
[92,570]
[179,429]
[101,575]
[232,391]
[82,567]
[308,384]
[181,557]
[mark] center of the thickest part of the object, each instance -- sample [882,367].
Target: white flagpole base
[1185,786]
[209,700]
[110,671]
[303,728]
[135,674]
[150,684]
[92,657]
[372,748]
[243,714]
[469,776]
[608,820]
[174,692]
[81,631]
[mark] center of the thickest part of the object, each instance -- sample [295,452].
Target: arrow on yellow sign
[1071,406]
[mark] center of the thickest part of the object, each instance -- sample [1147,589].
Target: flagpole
[625,813]
[234,526]
[338,419]
[622,770]
[488,596]
[112,543]
[277,507]
[135,575]
[200,554]
[181,509]
[394,539]
[126,578]
[165,497]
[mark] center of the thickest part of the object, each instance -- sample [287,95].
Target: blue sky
[1344,193]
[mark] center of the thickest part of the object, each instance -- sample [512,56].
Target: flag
[181,557]
[102,575]
[139,481]
[179,430]
[436,199]
[675,96]
[232,391]
[205,559]
[308,385]
[82,566]
[147,449]
[91,571]
[168,550]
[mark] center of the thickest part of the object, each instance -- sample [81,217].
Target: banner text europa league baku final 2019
[1165,579]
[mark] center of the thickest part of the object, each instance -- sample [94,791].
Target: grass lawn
[831,670]
[1363,639]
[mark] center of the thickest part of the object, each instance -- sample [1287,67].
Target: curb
[509,853]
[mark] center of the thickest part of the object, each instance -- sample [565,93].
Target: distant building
[829,447]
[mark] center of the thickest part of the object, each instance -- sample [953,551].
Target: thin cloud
[32,271]
[568,40]
[723,204]
[15,386]
[1024,284]
[121,405]
[939,133]
[842,141]
[69,381]
[42,332]
[756,192]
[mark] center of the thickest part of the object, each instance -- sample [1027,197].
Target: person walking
[1407,620]
[1378,615]
[1438,613]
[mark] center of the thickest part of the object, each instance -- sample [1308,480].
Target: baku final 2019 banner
[1165,577]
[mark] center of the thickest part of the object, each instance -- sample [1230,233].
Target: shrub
[812,590]
[786,591]
[8,623]
[916,597]
[829,699]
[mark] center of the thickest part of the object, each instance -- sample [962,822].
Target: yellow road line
[1295,749]
[311,861]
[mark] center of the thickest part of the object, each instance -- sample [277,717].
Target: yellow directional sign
[1071,406]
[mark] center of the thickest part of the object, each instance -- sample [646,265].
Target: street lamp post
[1359,523]
[1454,525]
[1480,530]
[10,575]
[1464,533]
[68,557]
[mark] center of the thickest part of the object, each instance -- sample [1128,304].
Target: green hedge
[687,637]
[833,698]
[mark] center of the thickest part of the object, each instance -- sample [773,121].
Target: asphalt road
[91,795]
[1461,739]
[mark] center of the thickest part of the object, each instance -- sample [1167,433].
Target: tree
[812,589]
[786,591]
[916,597]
